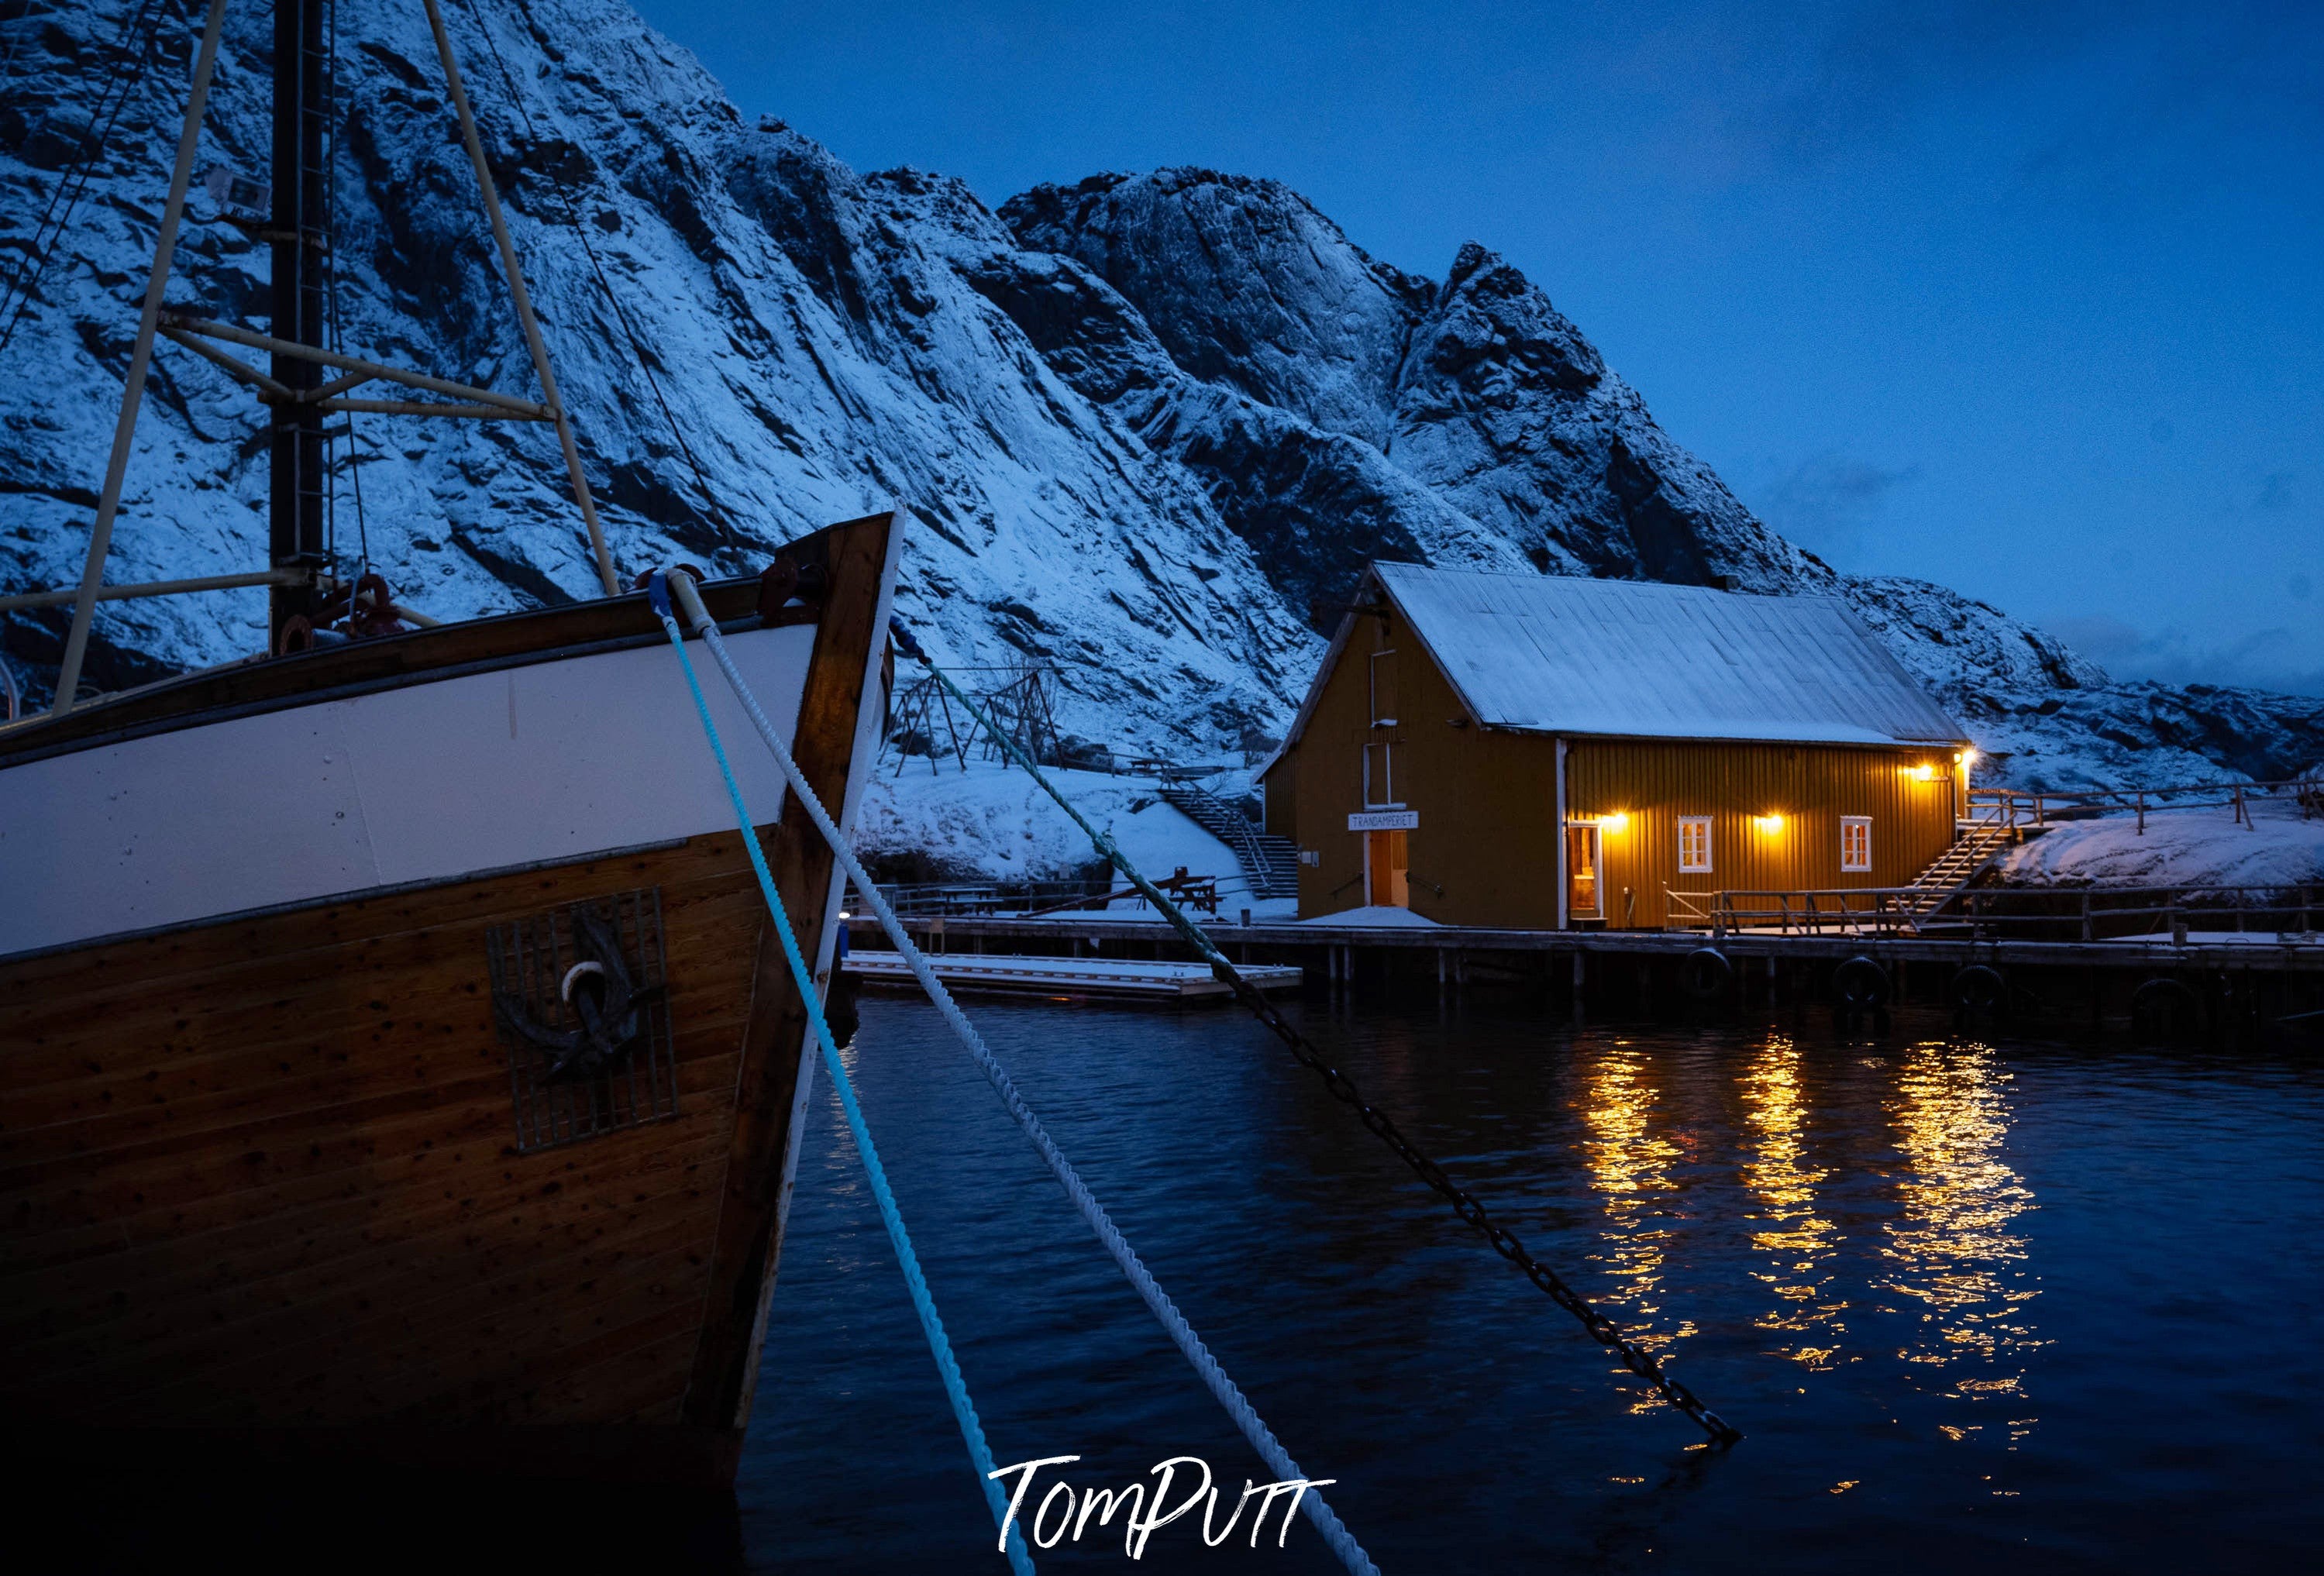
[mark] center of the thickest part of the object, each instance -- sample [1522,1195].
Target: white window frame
[1695,866]
[1863,861]
[1380,794]
[1374,670]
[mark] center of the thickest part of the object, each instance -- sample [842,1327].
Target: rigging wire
[1182,1335]
[1603,1330]
[338,336]
[719,517]
[129,22]
[126,67]
[16,46]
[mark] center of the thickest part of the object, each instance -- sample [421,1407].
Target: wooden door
[1584,895]
[1386,880]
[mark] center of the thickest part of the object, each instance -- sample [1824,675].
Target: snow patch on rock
[2180,848]
[994,823]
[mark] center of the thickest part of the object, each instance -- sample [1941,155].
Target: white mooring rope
[924,1303]
[1182,1334]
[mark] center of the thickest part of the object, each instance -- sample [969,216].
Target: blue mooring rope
[1021,1558]
[1182,1334]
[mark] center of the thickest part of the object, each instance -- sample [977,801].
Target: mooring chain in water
[1602,1328]
[1182,1333]
[1021,1558]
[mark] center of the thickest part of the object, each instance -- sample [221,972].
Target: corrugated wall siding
[1485,852]
[1324,771]
[1810,787]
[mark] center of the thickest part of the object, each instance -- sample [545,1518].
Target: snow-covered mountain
[1148,427]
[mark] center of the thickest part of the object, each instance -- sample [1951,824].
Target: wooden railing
[1687,910]
[1839,911]
[922,898]
[2015,808]
[2017,913]
[1031,900]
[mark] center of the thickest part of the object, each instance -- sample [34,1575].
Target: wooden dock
[1149,937]
[2206,981]
[1146,980]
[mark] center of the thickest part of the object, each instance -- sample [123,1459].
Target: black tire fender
[2169,1003]
[1861,983]
[1705,974]
[1979,988]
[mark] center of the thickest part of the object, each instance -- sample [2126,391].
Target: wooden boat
[396,1060]
[275,1168]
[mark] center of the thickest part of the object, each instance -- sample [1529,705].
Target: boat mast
[293,390]
[300,235]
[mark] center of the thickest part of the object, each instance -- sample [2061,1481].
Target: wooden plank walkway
[1145,980]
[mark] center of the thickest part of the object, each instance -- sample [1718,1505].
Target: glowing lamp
[1616,821]
[1769,824]
[1925,773]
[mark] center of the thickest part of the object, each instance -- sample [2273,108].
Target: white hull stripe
[430,782]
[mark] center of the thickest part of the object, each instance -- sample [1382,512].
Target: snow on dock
[1143,979]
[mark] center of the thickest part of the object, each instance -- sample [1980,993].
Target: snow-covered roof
[1627,659]
[1553,654]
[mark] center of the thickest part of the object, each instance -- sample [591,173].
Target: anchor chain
[1602,1328]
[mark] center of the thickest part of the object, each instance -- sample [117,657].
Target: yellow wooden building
[1538,752]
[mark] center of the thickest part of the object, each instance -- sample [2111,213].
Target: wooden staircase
[1269,862]
[1978,843]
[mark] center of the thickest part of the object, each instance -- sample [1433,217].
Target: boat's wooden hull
[264,1175]
[268,1180]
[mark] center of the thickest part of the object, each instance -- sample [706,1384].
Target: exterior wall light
[1769,824]
[1616,821]
[1925,773]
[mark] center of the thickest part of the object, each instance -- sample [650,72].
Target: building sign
[1383,820]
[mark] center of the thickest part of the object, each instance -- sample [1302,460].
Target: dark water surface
[1976,1305]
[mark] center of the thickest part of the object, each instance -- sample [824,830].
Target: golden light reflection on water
[1948,1269]
[1631,1160]
[1796,1243]
[1952,1259]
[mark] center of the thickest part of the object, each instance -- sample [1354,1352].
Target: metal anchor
[599,990]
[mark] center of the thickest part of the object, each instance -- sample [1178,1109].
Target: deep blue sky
[2025,298]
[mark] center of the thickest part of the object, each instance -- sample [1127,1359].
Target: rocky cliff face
[1337,409]
[1148,427]
[815,333]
